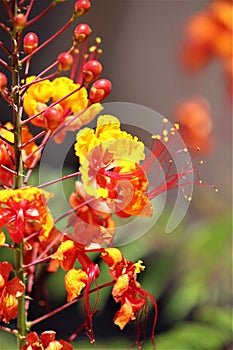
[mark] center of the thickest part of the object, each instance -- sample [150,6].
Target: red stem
[60,179]
[65,306]
[29,9]
[5,48]
[3,63]
[44,12]
[8,11]
[7,29]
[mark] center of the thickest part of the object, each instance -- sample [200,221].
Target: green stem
[19,251]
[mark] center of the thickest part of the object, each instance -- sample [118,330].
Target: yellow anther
[165,120]
[156,137]
[165,132]
[189,199]
[166,139]
[92,48]
[177,126]
[201,161]
[185,150]
[98,40]
[100,51]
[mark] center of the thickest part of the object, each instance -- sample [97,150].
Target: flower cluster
[116,178]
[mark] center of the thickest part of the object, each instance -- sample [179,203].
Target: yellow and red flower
[114,167]
[41,94]
[92,222]
[46,341]
[29,152]
[20,206]
[126,289]
[10,290]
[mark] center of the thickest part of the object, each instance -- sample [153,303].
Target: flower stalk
[19,251]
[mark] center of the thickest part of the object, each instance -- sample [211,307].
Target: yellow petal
[75,281]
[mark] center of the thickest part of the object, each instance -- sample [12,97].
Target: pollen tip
[165,139]
[201,161]
[92,48]
[165,120]
[200,181]
[165,132]
[98,40]
[100,51]
[177,126]
[185,149]
[189,199]
[216,190]
[156,137]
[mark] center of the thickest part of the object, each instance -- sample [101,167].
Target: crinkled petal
[75,281]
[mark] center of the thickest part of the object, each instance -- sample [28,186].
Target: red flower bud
[30,42]
[65,61]
[81,7]
[91,71]
[3,81]
[20,21]
[81,33]
[52,117]
[100,90]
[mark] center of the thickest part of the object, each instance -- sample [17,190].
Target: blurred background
[188,271]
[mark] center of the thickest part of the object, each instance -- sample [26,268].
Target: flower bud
[91,71]
[30,42]
[81,7]
[65,61]
[100,90]
[52,116]
[81,33]
[3,81]
[20,22]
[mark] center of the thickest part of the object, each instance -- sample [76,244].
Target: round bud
[65,61]
[100,90]
[81,33]
[3,81]
[52,117]
[30,42]
[91,71]
[81,7]
[20,21]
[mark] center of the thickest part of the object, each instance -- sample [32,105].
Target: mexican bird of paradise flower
[46,341]
[10,290]
[114,167]
[20,206]
[126,289]
[91,223]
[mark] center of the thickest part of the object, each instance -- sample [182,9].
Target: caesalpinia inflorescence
[113,178]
